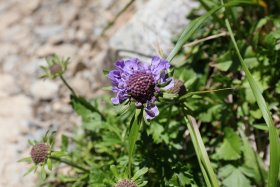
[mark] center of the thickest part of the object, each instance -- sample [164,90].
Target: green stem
[133,135]
[69,163]
[273,136]
[208,173]
[67,85]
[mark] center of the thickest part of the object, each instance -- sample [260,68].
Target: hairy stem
[67,85]
[69,163]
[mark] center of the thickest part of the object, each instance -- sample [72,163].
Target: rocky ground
[31,30]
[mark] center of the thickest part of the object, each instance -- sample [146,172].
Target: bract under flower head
[140,82]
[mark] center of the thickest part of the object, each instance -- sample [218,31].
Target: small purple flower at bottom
[140,82]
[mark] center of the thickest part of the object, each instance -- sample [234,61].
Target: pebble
[44,89]
[8,85]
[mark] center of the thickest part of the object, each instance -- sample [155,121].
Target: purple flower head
[140,82]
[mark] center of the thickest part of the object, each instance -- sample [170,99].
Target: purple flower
[140,82]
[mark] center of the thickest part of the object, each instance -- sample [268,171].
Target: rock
[46,31]
[32,68]
[44,89]
[8,18]
[13,121]
[154,24]
[28,7]
[81,85]
[6,50]
[8,85]
[10,63]
[66,50]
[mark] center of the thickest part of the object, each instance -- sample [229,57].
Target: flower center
[141,86]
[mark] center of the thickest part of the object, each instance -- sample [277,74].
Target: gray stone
[44,89]
[8,85]
[44,32]
[66,50]
[14,115]
[8,18]
[153,26]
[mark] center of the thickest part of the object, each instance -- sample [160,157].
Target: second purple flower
[140,82]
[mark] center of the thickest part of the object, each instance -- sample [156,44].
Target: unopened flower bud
[126,183]
[178,88]
[39,153]
[55,69]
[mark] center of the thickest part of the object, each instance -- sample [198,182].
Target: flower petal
[114,75]
[119,64]
[158,66]
[151,110]
[133,65]
[170,85]
[120,97]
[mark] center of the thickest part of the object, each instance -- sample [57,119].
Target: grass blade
[195,24]
[202,156]
[133,135]
[273,136]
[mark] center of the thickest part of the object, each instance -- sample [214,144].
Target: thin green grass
[202,156]
[204,162]
[133,135]
[273,135]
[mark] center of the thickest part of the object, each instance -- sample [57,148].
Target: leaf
[43,174]
[273,133]
[105,72]
[84,108]
[26,159]
[133,136]
[231,146]
[156,131]
[195,24]
[233,177]
[31,142]
[223,66]
[49,163]
[33,168]
[254,167]
[139,173]
[201,153]
[59,153]
[261,127]
[114,170]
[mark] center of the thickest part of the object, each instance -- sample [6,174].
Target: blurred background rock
[31,30]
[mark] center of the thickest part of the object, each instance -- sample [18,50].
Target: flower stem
[133,135]
[67,85]
[69,163]
[205,165]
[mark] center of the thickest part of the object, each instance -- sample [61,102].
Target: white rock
[8,85]
[44,89]
[44,32]
[154,24]
[65,50]
[81,85]
[8,18]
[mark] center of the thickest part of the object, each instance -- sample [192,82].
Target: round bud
[126,183]
[39,153]
[178,88]
[55,69]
